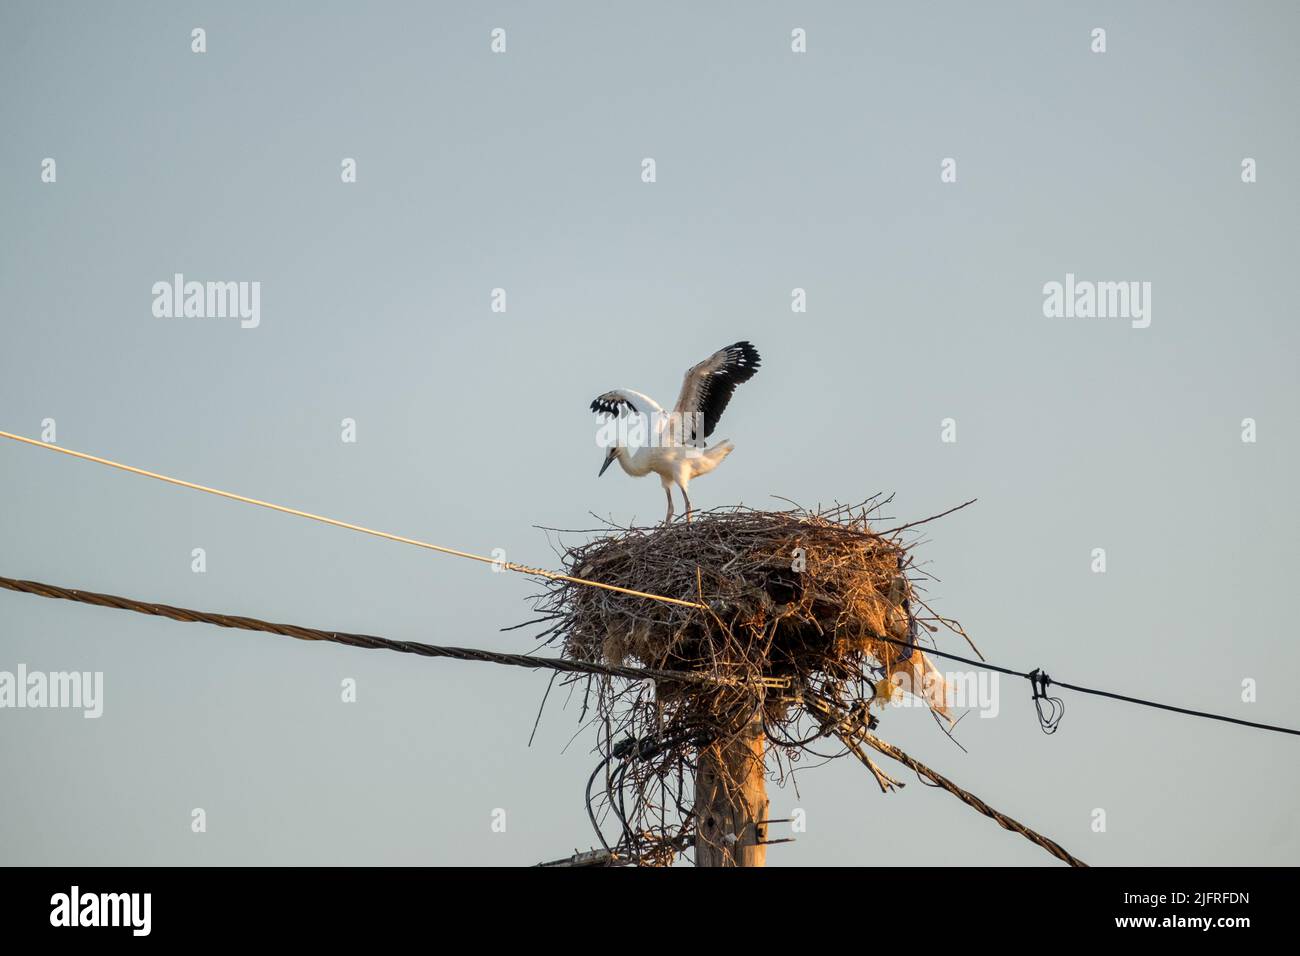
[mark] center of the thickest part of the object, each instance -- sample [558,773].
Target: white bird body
[673,464]
[673,448]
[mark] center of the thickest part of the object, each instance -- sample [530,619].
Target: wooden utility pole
[731,801]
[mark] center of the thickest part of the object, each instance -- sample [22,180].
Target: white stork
[675,442]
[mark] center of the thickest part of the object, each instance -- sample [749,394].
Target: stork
[674,449]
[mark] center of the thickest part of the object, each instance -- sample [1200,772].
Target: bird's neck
[635,463]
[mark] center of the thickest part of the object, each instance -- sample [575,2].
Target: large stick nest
[809,618]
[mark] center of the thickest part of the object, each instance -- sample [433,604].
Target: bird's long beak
[609,460]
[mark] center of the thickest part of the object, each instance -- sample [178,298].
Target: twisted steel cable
[189,615]
[972,801]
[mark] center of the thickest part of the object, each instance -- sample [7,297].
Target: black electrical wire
[1037,676]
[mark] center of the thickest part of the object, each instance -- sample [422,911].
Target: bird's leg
[669,517]
[687,499]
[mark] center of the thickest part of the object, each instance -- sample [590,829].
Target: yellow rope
[509,566]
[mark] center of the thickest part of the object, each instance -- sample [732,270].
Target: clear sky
[522,171]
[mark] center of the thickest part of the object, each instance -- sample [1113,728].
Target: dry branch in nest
[809,619]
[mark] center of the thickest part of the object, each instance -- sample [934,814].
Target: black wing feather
[611,406]
[741,362]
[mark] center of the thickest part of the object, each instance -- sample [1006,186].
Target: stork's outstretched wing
[619,399]
[707,388]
